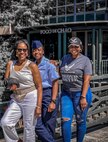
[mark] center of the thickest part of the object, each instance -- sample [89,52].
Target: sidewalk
[100,135]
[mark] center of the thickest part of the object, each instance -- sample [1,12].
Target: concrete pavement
[100,135]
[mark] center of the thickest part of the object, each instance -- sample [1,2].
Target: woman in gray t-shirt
[76,97]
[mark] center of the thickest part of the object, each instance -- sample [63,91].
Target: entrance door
[50,43]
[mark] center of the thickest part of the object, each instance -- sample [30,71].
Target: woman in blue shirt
[46,123]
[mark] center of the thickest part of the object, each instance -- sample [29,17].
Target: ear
[27,54]
[80,50]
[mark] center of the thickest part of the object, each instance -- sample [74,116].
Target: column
[100,51]
[59,46]
[64,43]
[93,53]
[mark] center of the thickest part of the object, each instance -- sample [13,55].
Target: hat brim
[73,45]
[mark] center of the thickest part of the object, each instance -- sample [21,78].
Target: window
[70,18]
[69,1]
[61,11]
[79,1]
[89,44]
[100,5]
[52,20]
[61,19]
[105,45]
[80,8]
[69,9]
[61,2]
[80,18]
[100,16]
[89,17]
[90,6]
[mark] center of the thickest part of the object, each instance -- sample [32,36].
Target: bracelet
[38,107]
[83,97]
[54,101]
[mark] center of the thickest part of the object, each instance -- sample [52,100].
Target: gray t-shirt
[72,72]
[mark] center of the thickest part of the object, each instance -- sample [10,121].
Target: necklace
[19,66]
[21,63]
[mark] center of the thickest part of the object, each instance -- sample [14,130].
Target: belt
[24,91]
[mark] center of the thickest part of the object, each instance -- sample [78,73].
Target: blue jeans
[46,124]
[70,106]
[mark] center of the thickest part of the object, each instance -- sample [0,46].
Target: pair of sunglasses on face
[73,46]
[21,49]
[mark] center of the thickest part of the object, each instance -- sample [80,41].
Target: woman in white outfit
[26,100]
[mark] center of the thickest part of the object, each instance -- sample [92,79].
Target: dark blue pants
[69,107]
[46,124]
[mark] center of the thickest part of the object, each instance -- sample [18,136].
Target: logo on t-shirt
[67,68]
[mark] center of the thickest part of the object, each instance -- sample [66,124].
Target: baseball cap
[36,44]
[75,41]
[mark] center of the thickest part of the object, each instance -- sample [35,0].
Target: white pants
[26,107]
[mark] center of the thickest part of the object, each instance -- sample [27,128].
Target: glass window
[52,20]
[89,44]
[61,11]
[89,17]
[100,5]
[52,12]
[100,16]
[105,45]
[79,1]
[61,2]
[80,8]
[69,1]
[70,18]
[80,18]
[90,6]
[69,9]
[61,19]
[89,1]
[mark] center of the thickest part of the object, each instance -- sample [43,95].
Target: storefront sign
[59,30]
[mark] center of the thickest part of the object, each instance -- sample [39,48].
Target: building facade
[86,19]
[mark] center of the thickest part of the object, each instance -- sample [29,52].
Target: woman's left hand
[83,103]
[51,107]
[38,112]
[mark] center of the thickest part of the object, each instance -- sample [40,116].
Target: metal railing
[104,66]
[98,112]
[100,68]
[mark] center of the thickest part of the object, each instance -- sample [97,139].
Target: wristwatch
[54,101]
[83,97]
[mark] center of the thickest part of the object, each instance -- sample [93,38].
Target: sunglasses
[74,46]
[20,50]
